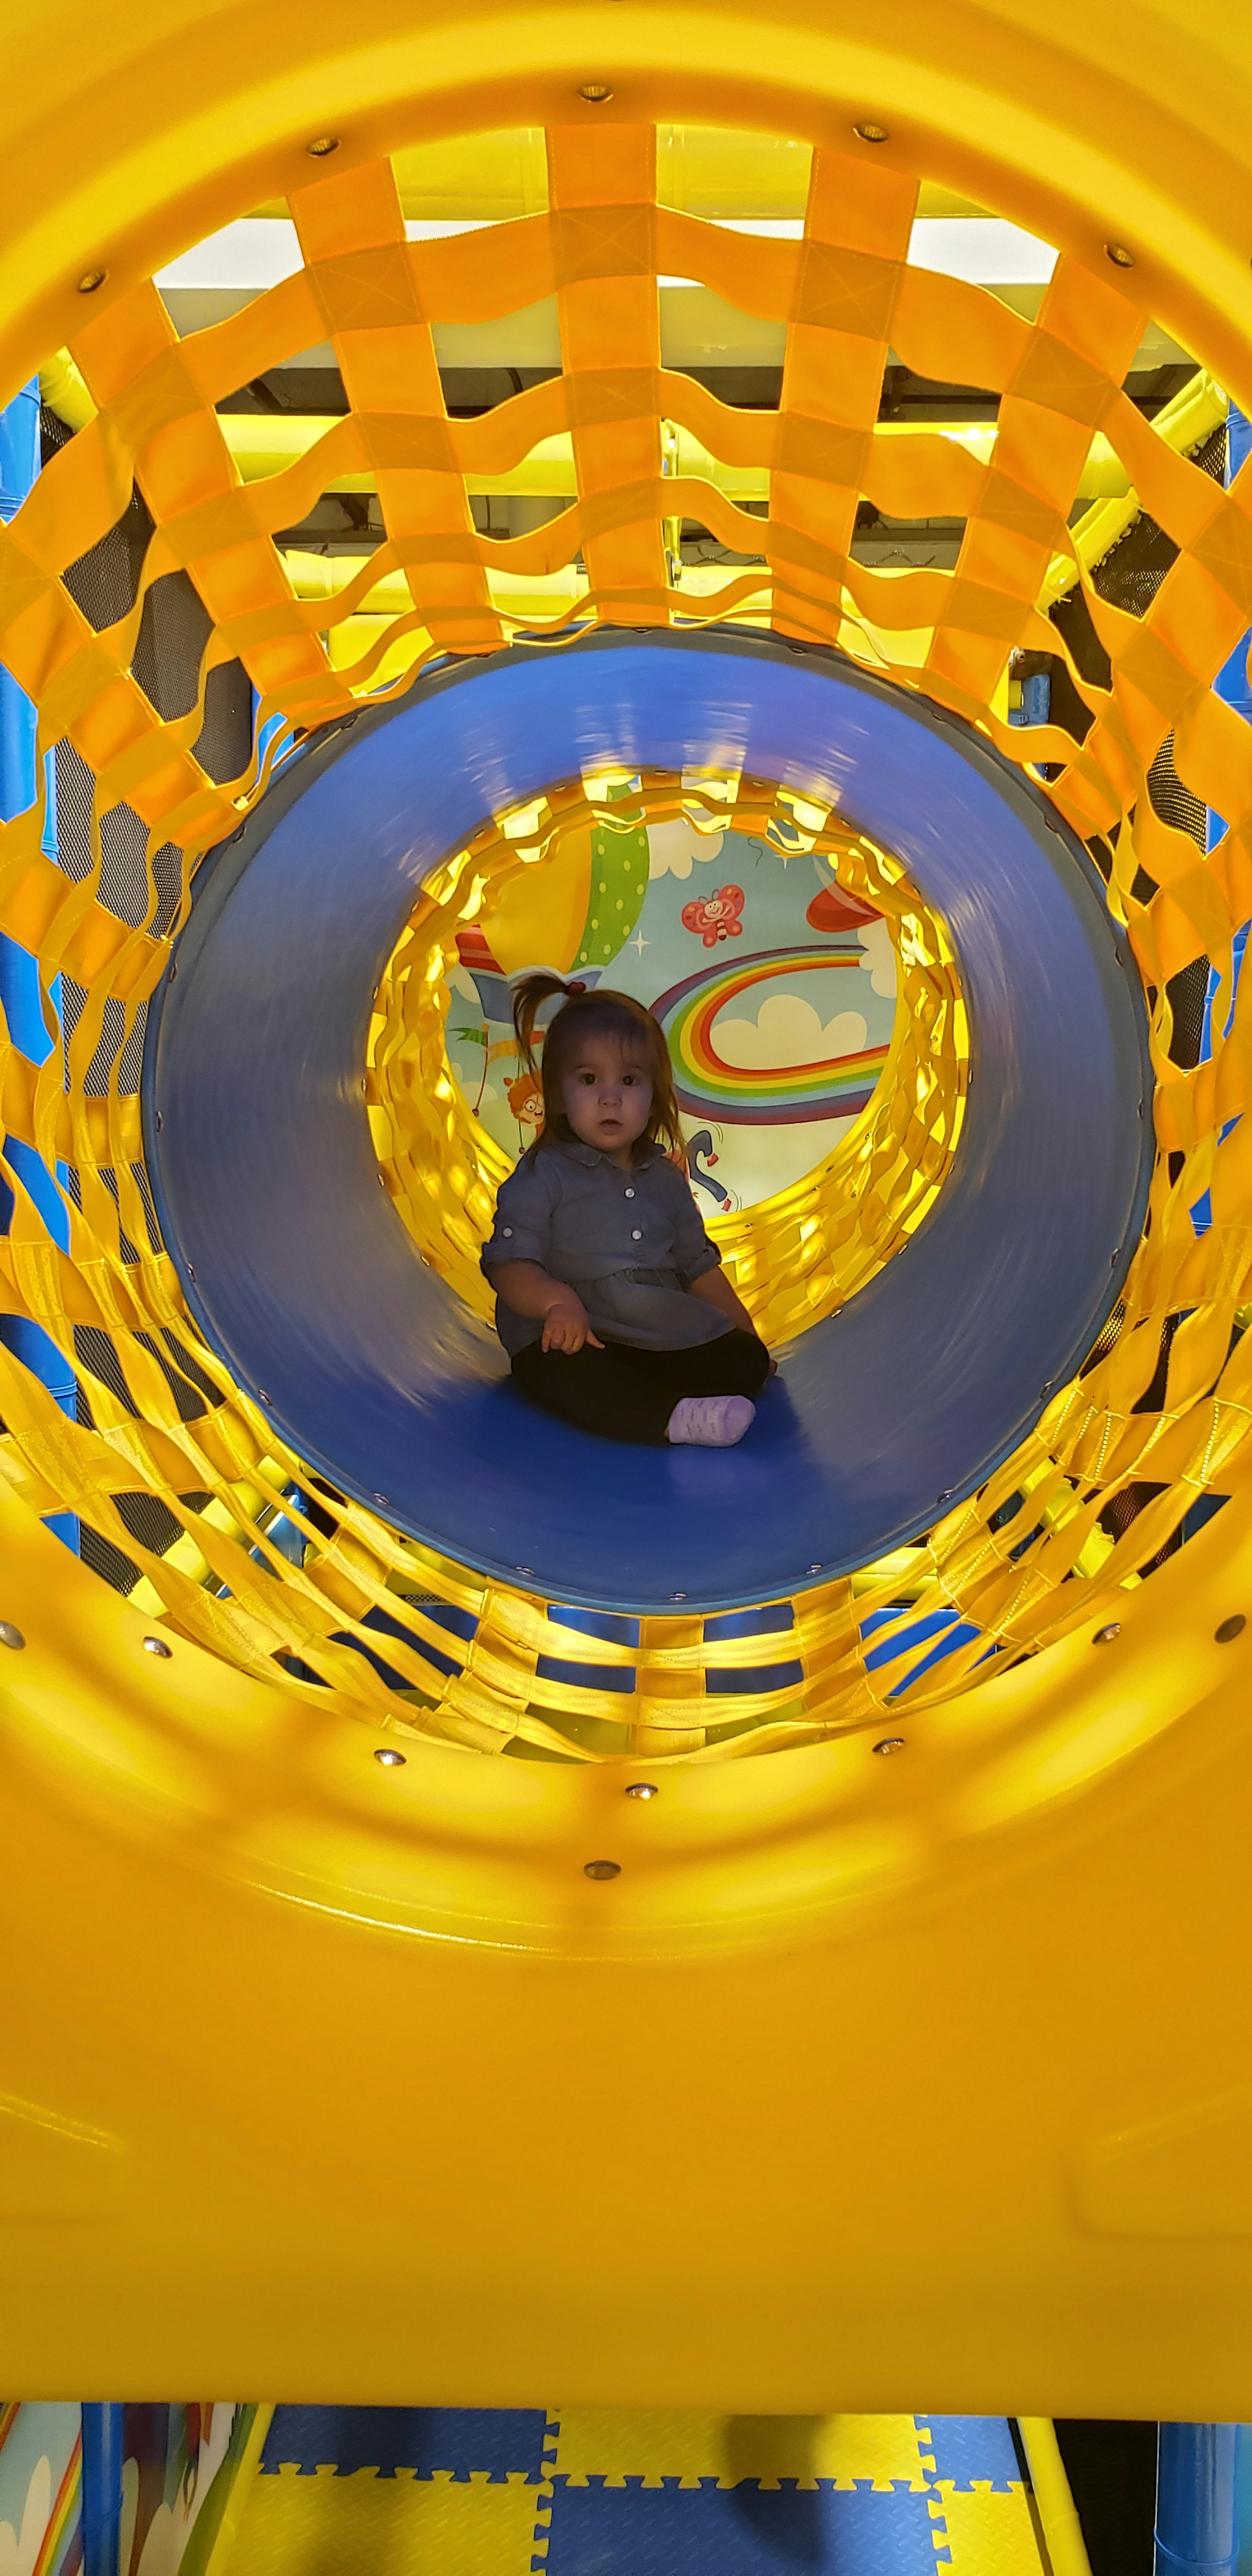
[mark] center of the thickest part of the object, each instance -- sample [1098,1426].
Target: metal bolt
[191,1270]
[389,1758]
[946,1498]
[890,1744]
[1048,1388]
[261,1396]
[1105,1636]
[321,145]
[93,278]
[1230,1629]
[643,1789]
[1120,256]
[160,1122]
[157,1646]
[382,1498]
[524,1569]
[602,1869]
[595,93]
[872,133]
[678,1596]
[11,1636]
[813,1569]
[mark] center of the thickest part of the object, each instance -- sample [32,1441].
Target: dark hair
[601,1013]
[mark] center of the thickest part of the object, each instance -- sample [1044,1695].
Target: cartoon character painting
[526,1100]
[700,1157]
[716,916]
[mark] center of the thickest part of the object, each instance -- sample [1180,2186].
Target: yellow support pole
[1058,2515]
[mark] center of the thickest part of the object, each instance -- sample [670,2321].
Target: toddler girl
[610,1299]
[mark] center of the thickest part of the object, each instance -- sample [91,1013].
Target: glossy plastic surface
[304,1279]
[263,2127]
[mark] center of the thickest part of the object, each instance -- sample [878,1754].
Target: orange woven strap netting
[166,1461]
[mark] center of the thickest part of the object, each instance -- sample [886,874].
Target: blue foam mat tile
[973,2450]
[460,2440]
[738,2531]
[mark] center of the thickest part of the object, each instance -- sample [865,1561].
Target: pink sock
[709,1421]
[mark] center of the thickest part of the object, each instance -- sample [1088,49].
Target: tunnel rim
[225,867]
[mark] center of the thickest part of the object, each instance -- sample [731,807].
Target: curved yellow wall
[868,2077]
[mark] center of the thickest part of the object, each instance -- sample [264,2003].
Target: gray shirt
[628,1242]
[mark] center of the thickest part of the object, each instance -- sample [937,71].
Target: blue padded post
[1232,682]
[19,972]
[102,2489]
[1197,2522]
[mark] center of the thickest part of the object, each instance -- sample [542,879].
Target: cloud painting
[788,1031]
[878,958]
[673,847]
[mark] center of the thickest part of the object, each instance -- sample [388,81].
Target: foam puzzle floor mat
[411,2491]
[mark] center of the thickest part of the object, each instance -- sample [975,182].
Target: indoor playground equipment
[500,1919]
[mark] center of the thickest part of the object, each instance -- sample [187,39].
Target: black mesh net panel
[106,1560]
[173,631]
[96,1356]
[1188,994]
[1130,577]
[151,1521]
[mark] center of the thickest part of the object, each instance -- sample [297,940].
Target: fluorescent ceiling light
[981,249]
[259,252]
[262,250]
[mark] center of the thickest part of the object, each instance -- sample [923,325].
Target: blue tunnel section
[307,1284]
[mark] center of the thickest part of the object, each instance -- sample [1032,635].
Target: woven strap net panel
[167,1464]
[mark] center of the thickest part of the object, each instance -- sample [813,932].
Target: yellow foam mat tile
[989,2533]
[365,2525]
[596,2441]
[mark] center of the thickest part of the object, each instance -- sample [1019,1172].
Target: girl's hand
[566,1326]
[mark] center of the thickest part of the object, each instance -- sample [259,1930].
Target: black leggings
[628,1394]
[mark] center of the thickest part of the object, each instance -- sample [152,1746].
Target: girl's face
[606,1094]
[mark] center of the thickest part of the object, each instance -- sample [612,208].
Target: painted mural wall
[776,990]
[40,2490]
[171,2457]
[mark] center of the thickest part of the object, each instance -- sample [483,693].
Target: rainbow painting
[760,1095]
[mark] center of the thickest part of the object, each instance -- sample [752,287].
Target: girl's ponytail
[528,1000]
